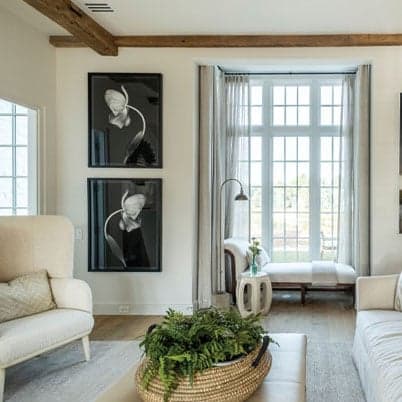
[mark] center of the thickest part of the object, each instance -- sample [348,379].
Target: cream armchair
[34,243]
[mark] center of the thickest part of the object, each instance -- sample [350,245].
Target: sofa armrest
[72,293]
[376,292]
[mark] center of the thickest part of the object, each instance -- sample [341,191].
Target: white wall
[151,293]
[27,77]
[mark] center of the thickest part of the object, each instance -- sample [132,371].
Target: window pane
[337,154]
[6,130]
[304,173]
[303,225]
[6,211]
[290,225]
[291,174]
[21,161]
[6,161]
[255,179]
[279,115]
[21,130]
[337,115]
[278,174]
[22,211]
[326,226]
[256,95]
[337,95]
[304,115]
[256,115]
[336,174]
[304,95]
[291,115]
[256,145]
[326,174]
[6,193]
[303,250]
[278,228]
[291,148]
[303,200]
[335,199]
[303,149]
[326,148]
[326,95]
[291,200]
[22,192]
[279,95]
[243,148]
[291,95]
[5,107]
[256,224]
[326,200]
[278,199]
[278,152]
[256,205]
[326,116]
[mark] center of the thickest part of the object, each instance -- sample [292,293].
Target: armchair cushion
[26,295]
[28,336]
[72,293]
[376,292]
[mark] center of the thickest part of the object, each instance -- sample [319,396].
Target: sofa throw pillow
[25,295]
[261,259]
[398,294]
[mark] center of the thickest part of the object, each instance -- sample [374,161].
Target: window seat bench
[303,276]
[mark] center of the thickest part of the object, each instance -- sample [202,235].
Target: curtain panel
[237,148]
[354,201]
[211,174]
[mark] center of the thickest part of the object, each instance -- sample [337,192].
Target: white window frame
[314,131]
[32,163]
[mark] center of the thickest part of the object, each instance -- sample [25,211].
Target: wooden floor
[325,316]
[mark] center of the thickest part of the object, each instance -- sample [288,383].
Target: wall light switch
[78,233]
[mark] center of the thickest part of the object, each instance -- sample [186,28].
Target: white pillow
[261,259]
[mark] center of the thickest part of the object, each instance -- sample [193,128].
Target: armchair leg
[2,380]
[85,346]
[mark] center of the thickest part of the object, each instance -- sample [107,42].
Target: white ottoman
[259,293]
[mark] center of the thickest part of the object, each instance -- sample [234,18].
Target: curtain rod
[293,73]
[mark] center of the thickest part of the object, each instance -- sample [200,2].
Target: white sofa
[34,243]
[377,347]
[286,276]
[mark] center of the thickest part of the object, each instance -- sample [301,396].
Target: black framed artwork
[124,225]
[125,120]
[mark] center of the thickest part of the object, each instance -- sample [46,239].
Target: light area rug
[63,375]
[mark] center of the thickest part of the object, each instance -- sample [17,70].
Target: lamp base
[221,300]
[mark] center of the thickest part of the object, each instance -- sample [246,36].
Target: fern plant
[182,346]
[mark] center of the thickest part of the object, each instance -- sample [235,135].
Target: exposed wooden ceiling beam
[74,20]
[337,40]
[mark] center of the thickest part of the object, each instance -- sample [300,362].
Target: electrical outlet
[124,308]
[78,233]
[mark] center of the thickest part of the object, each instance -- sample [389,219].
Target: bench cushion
[25,337]
[301,272]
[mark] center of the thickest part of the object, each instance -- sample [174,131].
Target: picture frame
[125,120]
[124,225]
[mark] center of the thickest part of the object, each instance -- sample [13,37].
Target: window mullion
[315,196]
[14,160]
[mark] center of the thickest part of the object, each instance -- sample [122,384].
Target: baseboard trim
[139,309]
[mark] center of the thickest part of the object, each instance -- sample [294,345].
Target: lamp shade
[241,196]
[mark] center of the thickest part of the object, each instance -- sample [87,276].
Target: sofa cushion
[26,295]
[26,337]
[381,335]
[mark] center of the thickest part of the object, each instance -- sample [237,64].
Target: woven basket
[235,382]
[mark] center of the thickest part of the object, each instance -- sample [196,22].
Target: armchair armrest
[72,293]
[376,292]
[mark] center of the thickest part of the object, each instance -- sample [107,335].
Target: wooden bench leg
[303,295]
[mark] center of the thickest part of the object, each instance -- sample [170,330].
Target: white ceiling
[233,16]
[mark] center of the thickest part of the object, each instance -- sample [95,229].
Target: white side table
[259,293]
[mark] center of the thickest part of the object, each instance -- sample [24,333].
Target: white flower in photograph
[118,104]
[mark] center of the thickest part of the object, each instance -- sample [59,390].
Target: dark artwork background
[109,145]
[140,247]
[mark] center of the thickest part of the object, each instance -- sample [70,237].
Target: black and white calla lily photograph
[125,224]
[125,120]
